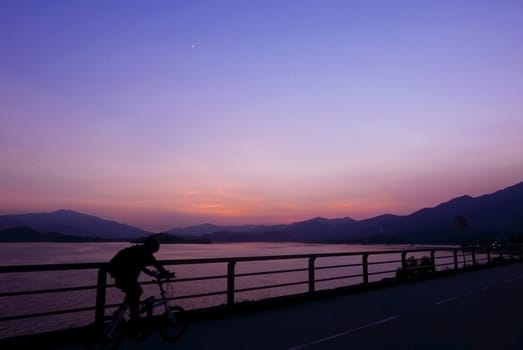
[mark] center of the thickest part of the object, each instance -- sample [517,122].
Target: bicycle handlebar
[168,276]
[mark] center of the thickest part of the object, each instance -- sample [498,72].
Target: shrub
[415,268]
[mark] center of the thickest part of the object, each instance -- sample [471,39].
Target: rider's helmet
[153,243]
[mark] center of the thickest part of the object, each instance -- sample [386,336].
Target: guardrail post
[100,296]
[474,256]
[230,282]
[404,260]
[456,259]
[488,255]
[311,274]
[365,264]
[513,253]
[433,260]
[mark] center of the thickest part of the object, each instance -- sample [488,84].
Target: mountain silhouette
[203,229]
[71,223]
[498,215]
[27,234]
[493,216]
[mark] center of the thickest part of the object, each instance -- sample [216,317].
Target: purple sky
[170,113]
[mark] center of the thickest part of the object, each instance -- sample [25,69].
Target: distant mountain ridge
[72,223]
[27,234]
[207,228]
[498,215]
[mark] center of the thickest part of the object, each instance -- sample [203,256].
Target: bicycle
[171,324]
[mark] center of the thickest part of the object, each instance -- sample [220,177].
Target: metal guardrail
[458,258]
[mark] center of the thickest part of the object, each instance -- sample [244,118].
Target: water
[59,253]
[51,253]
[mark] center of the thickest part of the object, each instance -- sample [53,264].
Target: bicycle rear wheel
[109,336]
[173,323]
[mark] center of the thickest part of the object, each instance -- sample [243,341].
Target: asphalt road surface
[474,310]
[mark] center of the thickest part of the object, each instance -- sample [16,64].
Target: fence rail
[403,263]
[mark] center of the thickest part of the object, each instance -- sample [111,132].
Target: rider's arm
[149,272]
[158,267]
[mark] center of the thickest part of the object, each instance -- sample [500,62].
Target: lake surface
[60,253]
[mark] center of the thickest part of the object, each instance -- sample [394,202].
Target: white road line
[337,335]
[514,279]
[445,301]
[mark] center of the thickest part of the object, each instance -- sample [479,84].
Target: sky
[164,114]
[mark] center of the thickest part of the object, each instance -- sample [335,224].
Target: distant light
[194,46]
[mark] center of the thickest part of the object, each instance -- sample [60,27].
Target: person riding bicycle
[125,268]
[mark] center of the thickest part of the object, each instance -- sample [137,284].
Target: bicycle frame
[156,302]
[120,314]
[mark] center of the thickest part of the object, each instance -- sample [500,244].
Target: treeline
[27,234]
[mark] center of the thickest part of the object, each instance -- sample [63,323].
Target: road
[475,310]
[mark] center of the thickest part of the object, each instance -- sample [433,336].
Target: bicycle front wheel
[173,323]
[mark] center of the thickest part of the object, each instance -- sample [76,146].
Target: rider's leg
[137,326]
[132,297]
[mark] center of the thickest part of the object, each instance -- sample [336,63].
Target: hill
[489,217]
[71,223]
[27,234]
[494,216]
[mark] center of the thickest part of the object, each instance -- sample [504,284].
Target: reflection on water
[347,272]
[51,253]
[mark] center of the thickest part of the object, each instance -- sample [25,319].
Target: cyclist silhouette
[125,267]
